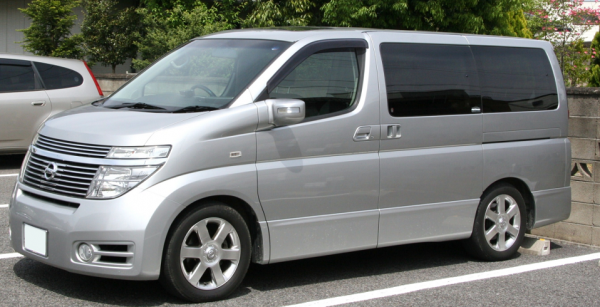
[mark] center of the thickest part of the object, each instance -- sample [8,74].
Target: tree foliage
[112,35]
[577,59]
[594,80]
[171,28]
[562,23]
[272,13]
[109,32]
[50,30]
[500,17]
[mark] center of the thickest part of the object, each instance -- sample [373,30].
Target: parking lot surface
[27,282]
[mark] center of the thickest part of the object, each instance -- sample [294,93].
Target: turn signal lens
[147,152]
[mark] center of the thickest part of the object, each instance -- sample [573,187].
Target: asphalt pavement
[27,282]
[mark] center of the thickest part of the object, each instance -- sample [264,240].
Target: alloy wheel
[210,253]
[502,222]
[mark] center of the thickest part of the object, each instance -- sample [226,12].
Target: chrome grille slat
[56,185]
[71,178]
[62,180]
[75,153]
[74,177]
[72,148]
[76,172]
[65,165]
[51,189]
[43,165]
[98,151]
[41,172]
[63,144]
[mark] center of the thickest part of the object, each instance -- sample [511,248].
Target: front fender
[239,181]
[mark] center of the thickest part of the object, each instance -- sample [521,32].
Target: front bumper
[138,220]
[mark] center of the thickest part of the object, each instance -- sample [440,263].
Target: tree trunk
[114,67]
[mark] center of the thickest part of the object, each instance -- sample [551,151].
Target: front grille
[72,148]
[71,178]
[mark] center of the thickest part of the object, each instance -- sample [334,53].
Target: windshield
[203,75]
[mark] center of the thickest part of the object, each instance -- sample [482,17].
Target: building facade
[11,20]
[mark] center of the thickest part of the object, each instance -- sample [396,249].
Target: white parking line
[4,206]
[8,175]
[10,255]
[446,282]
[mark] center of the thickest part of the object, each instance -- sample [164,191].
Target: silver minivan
[273,145]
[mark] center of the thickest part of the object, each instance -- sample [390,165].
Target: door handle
[362,134]
[39,103]
[393,132]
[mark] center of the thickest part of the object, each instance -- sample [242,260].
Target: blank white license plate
[35,239]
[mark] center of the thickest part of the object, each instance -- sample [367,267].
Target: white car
[33,88]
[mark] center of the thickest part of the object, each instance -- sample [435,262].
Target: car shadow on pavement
[11,161]
[92,289]
[260,277]
[365,263]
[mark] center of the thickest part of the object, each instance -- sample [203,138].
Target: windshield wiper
[195,109]
[137,105]
[99,102]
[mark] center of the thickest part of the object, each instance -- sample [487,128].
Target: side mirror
[285,112]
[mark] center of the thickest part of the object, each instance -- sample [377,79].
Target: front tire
[499,226]
[207,254]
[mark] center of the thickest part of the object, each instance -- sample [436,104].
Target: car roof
[37,58]
[293,34]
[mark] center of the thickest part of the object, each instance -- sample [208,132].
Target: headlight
[113,181]
[147,152]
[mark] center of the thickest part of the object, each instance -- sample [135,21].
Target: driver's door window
[327,82]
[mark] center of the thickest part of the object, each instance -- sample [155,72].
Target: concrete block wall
[109,83]
[583,226]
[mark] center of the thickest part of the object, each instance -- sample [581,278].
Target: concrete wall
[12,19]
[109,83]
[583,225]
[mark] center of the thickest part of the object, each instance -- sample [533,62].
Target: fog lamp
[85,252]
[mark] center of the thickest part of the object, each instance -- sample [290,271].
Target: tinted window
[327,82]
[56,77]
[16,76]
[426,79]
[515,79]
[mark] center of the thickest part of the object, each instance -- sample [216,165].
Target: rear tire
[499,226]
[207,254]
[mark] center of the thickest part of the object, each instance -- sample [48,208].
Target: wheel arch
[239,205]
[525,191]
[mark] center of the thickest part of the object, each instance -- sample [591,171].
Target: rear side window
[16,76]
[56,77]
[515,79]
[428,79]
